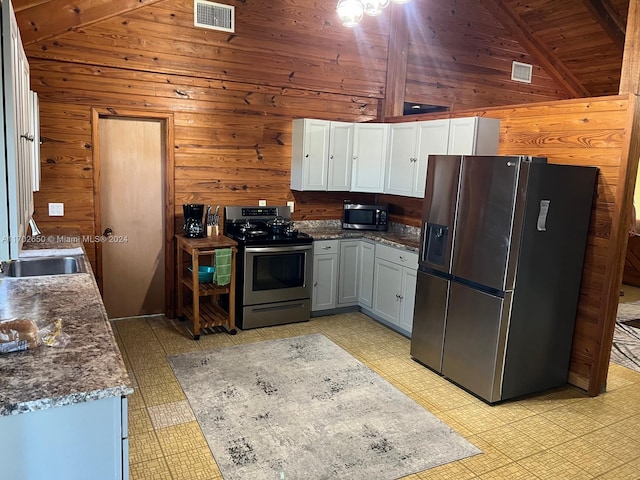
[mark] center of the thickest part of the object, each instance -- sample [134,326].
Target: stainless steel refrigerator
[502,250]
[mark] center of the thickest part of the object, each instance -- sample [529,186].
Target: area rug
[626,336]
[303,408]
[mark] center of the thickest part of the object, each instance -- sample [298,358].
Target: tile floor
[562,434]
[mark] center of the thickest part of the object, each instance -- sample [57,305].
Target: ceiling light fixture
[352,11]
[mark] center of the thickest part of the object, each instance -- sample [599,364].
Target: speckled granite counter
[400,236]
[89,367]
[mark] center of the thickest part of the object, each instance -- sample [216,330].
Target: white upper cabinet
[432,139]
[474,136]
[309,154]
[381,157]
[409,146]
[17,138]
[369,154]
[321,155]
[34,108]
[402,160]
[341,136]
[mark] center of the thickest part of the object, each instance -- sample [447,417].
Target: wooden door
[132,207]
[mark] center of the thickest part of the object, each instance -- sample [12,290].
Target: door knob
[107,232]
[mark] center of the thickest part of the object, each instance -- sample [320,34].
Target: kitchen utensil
[278,225]
[209,221]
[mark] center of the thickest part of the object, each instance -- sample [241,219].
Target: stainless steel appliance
[194,220]
[358,216]
[502,250]
[274,266]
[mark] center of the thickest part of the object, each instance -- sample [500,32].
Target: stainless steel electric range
[273,266]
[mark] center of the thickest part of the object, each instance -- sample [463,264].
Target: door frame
[168,173]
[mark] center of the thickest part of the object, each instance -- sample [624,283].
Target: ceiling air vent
[521,72]
[213,15]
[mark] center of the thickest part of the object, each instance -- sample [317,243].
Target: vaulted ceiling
[579,43]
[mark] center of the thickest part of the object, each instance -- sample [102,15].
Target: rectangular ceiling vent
[521,72]
[214,16]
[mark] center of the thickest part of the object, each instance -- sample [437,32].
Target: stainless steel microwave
[358,216]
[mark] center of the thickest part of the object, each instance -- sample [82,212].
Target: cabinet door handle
[315,284]
[326,248]
[402,259]
[306,156]
[331,157]
[26,136]
[355,157]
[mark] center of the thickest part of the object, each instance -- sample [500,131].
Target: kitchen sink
[32,267]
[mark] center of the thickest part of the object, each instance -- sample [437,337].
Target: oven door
[277,273]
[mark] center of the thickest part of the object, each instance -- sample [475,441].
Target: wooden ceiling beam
[509,18]
[395,87]
[630,74]
[609,19]
[43,20]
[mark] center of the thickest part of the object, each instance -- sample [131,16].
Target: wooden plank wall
[589,132]
[233,95]
[233,98]
[460,57]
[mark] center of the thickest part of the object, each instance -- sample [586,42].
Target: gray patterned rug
[626,336]
[303,408]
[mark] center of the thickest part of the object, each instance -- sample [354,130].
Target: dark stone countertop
[89,367]
[399,236]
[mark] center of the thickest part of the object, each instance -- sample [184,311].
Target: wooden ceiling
[579,43]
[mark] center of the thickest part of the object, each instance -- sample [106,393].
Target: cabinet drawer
[397,255]
[321,247]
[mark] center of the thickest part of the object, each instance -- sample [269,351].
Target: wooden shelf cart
[204,310]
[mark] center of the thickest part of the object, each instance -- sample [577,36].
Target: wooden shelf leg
[196,294]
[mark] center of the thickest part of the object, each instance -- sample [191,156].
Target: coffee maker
[194,220]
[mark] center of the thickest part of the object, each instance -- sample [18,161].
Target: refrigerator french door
[502,248]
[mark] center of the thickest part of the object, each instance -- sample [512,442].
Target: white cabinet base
[83,441]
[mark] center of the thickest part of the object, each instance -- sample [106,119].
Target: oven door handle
[289,248]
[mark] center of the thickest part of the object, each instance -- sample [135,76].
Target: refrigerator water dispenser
[436,244]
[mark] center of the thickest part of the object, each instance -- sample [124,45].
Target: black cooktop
[253,226]
[248,238]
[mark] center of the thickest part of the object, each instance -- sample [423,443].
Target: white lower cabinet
[378,278]
[366,259]
[409,280]
[394,286]
[71,442]
[349,276]
[325,275]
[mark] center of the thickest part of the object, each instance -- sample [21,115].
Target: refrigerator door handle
[542,215]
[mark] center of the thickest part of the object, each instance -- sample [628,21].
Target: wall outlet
[291,205]
[262,203]
[56,209]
